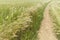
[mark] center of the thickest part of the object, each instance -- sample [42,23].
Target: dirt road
[46,30]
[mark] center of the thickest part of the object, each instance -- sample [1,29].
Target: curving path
[46,30]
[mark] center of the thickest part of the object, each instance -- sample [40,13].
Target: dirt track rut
[46,30]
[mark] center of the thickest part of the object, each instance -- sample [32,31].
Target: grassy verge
[14,19]
[30,33]
[55,15]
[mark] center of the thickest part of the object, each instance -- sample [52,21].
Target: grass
[30,33]
[17,23]
[12,18]
[11,24]
[55,15]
